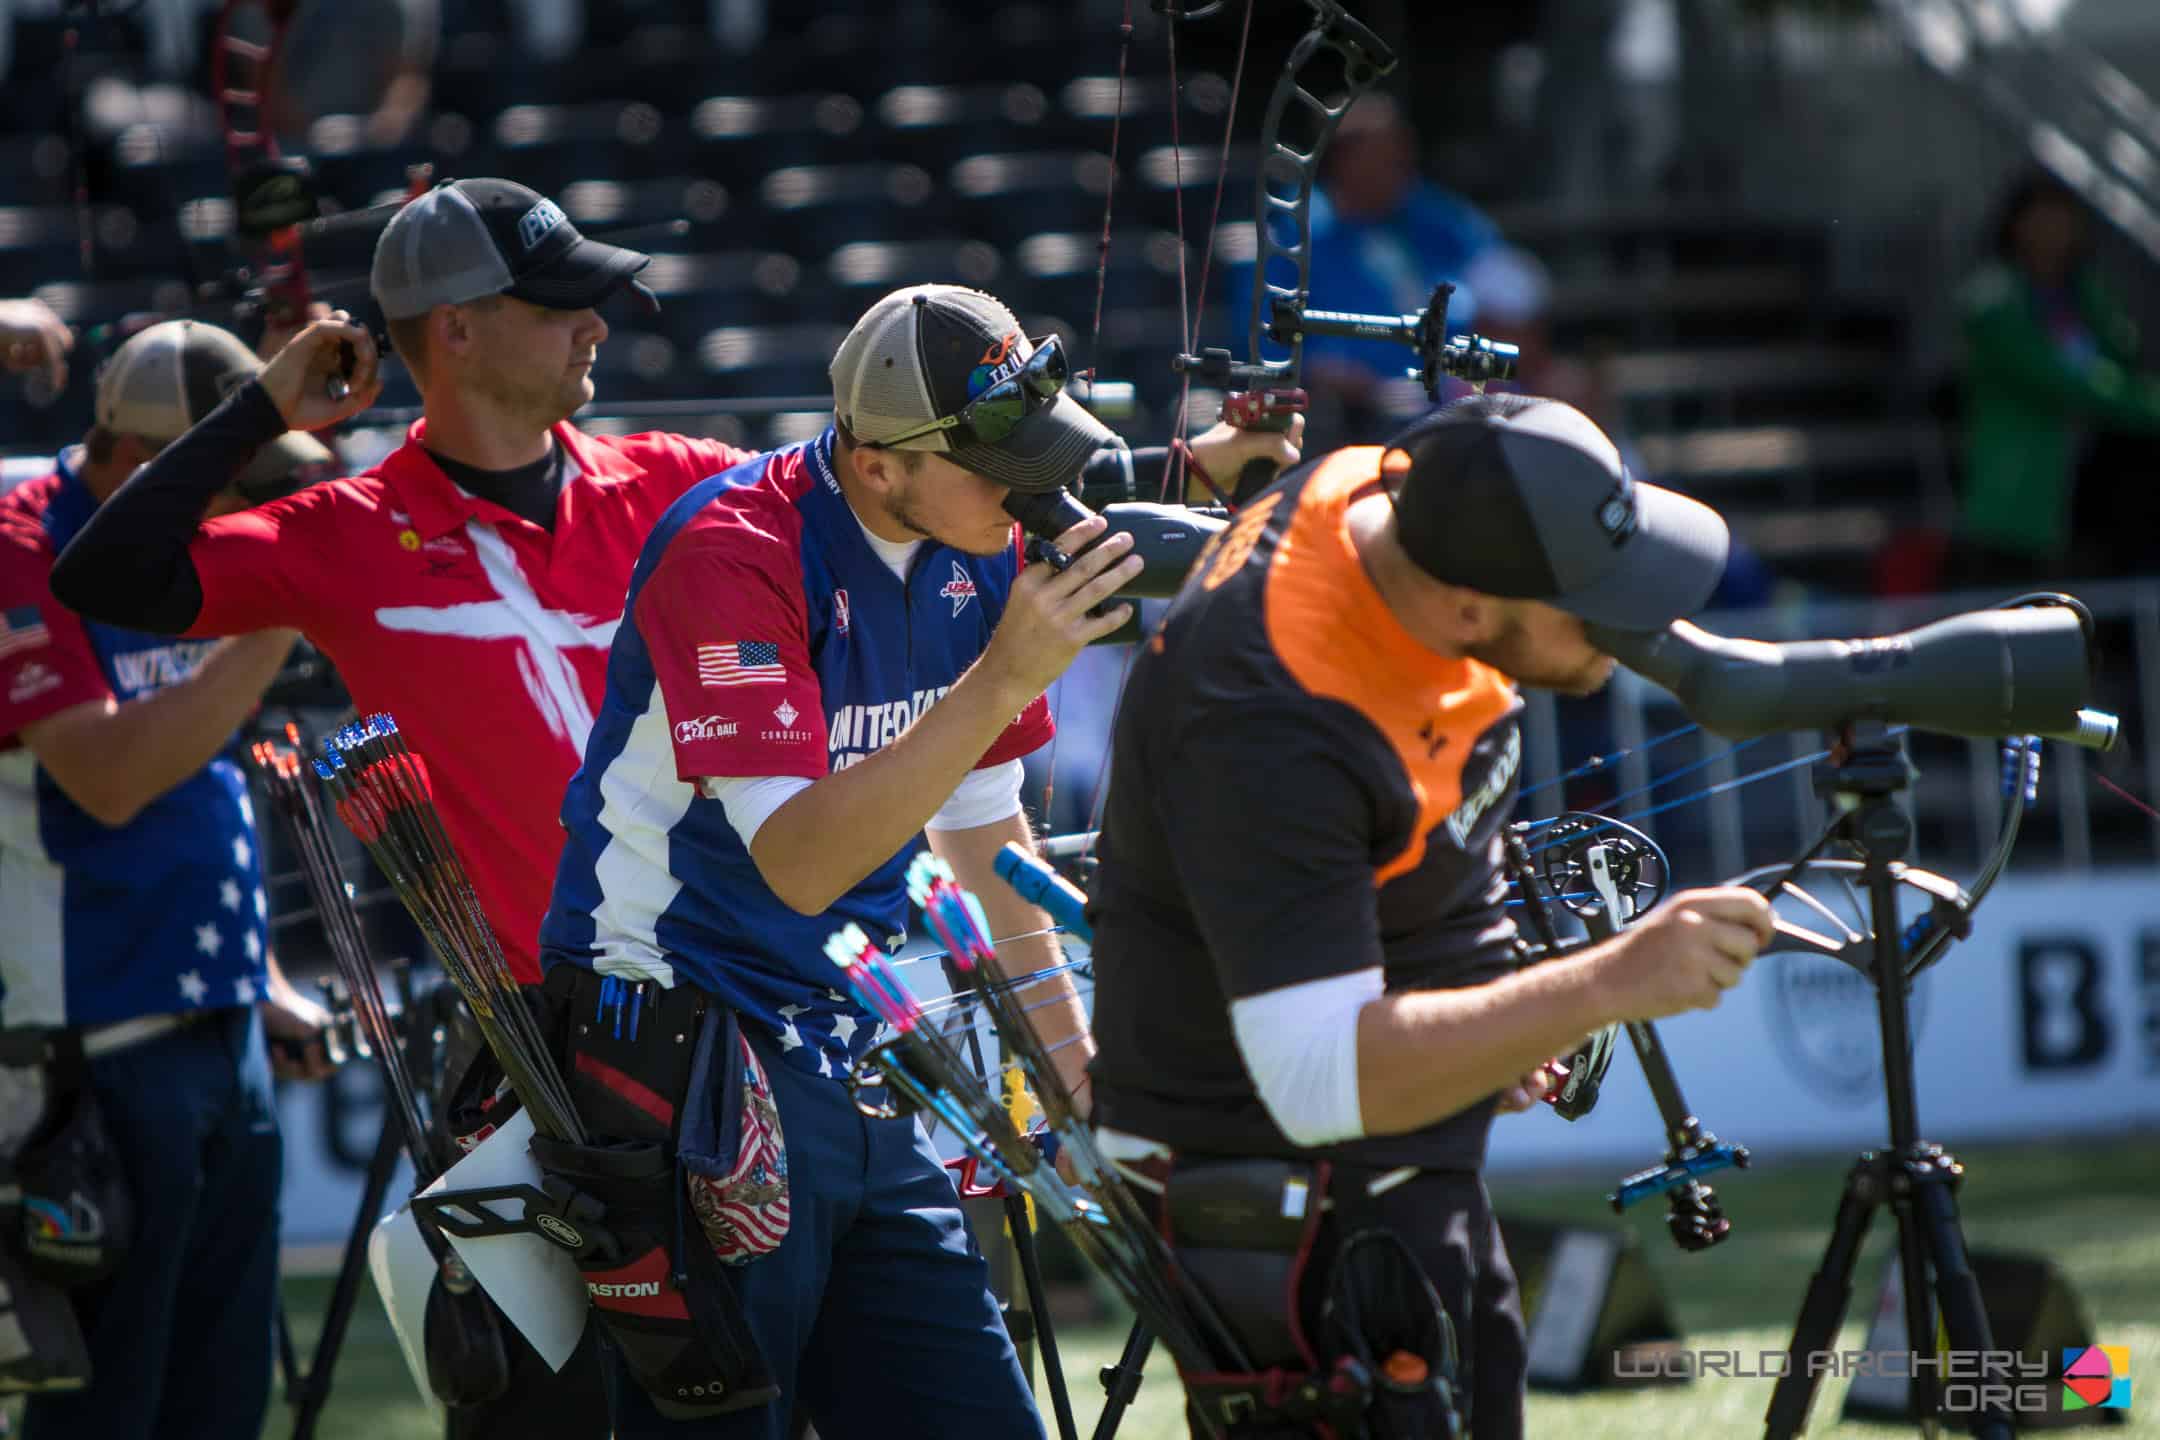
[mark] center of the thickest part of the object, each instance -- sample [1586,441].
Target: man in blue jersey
[833,648]
[134,955]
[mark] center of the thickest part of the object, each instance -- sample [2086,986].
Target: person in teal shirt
[2053,399]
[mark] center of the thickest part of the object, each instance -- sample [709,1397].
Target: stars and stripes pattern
[22,628]
[740,662]
[745,1211]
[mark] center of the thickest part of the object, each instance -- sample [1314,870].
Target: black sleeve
[1270,826]
[130,566]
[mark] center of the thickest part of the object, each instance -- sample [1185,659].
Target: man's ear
[450,330]
[1475,618]
[877,470]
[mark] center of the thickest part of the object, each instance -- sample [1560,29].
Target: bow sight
[1473,359]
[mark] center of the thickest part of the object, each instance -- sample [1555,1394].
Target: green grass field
[2094,1208]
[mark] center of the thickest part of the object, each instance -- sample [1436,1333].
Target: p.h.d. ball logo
[2096,1377]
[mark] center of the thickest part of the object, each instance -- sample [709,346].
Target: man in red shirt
[471,582]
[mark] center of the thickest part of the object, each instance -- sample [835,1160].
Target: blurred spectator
[361,57]
[1382,237]
[2054,404]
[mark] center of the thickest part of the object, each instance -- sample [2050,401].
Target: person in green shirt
[2050,367]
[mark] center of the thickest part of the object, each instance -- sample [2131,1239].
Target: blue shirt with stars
[103,923]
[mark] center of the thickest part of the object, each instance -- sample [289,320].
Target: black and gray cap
[923,353]
[1527,499]
[169,376]
[474,238]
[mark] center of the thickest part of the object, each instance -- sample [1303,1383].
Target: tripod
[1918,1180]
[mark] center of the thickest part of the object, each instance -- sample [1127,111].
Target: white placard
[531,1280]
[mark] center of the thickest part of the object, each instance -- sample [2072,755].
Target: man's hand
[1686,955]
[1224,450]
[294,1024]
[299,375]
[1046,622]
[1527,1091]
[32,337]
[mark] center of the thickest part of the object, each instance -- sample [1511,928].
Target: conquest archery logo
[1822,1012]
[960,589]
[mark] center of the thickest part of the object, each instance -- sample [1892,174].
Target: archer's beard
[542,407]
[1516,656]
[902,510]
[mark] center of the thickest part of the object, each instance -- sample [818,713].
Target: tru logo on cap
[538,223]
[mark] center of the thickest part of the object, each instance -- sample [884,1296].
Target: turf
[2092,1207]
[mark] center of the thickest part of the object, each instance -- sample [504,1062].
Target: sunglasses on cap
[998,411]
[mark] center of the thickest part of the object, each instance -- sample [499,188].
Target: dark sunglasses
[998,411]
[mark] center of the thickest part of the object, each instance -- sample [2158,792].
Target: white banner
[2046,1022]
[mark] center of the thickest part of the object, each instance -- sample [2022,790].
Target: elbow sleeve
[1300,1045]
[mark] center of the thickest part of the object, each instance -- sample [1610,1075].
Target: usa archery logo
[960,589]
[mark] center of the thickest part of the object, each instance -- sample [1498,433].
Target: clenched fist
[298,376]
[1685,955]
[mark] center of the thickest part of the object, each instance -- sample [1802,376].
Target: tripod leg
[1922,1400]
[1828,1293]
[1023,1242]
[1121,1382]
[315,1388]
[1964,1313]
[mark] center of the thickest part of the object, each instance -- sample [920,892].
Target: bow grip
[1269,408]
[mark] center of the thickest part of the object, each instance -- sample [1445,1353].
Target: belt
[123,1034]
[33,1046]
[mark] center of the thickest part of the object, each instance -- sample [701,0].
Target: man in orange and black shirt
[1301,945]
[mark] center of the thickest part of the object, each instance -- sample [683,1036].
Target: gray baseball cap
[167,377]
[923,353]
[1527,499]
[473,238]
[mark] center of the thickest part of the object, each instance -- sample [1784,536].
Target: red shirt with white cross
[485,635]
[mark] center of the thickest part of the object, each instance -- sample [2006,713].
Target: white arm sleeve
[1300,1047]
[985,796]
[750,800]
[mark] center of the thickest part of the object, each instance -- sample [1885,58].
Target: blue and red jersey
[767,638]
[101,923]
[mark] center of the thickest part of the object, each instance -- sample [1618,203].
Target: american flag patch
[744,1212]
[740,662]
[22,628]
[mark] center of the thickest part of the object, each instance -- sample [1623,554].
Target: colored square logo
[2096,1377]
